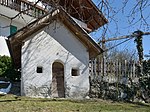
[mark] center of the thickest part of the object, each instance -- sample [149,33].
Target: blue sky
[123,25]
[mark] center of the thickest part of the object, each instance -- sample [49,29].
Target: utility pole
[103,56]
[138,40]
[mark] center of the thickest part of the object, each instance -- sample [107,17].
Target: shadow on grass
[138,104]
[18,99]
[47,100]
[30,100]
[8,100]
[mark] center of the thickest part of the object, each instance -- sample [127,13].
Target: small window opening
[75,72]
[39,69]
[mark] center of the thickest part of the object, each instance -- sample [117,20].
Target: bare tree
[135,12]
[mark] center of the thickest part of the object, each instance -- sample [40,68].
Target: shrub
[7,70]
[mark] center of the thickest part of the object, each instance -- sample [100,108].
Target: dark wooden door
[57,88]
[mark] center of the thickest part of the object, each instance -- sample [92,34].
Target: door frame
[61,64]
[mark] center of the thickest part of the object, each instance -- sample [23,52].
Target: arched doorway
[57,88]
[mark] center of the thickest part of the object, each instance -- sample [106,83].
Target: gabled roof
[16,40]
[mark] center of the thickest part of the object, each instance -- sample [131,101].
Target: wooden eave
[16,40]
[93,48]
[83,10]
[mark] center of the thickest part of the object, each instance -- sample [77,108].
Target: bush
[7,70]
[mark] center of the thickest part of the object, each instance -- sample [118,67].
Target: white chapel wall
[54,43]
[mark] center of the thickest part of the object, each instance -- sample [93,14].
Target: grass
[10,103]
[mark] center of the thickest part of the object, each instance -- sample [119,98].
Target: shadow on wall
[65,38]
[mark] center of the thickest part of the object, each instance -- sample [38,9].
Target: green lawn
[9,103]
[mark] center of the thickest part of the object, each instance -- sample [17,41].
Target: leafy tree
[5,63]
[7,70]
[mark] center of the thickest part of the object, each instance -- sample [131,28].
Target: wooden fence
[113,70]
